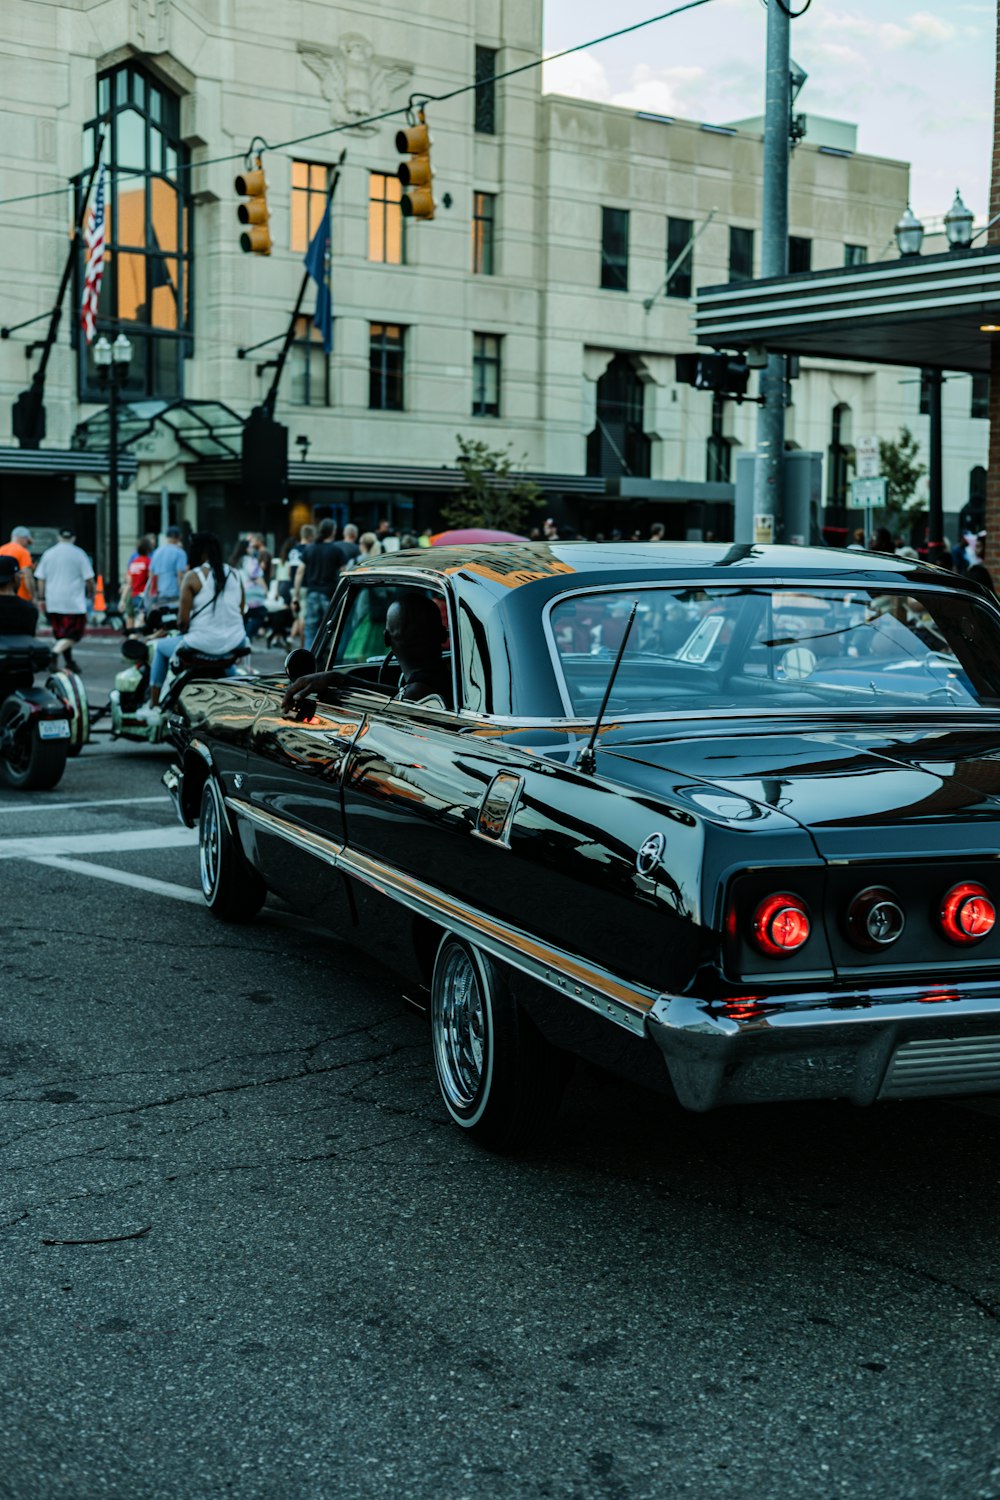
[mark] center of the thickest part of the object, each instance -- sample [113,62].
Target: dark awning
[400,477]
[63,461]
[926,311]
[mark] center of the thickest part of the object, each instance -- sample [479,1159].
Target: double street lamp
[112,362]
[958,223]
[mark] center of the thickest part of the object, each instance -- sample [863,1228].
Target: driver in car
[17,616]
[415,635]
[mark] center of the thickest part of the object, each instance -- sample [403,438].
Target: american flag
[94,240]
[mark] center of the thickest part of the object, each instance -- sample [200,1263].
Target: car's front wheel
[231,887]
[501,1081]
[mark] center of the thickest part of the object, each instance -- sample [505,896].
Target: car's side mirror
[299,663]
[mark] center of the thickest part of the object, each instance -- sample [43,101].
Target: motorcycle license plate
[53,729]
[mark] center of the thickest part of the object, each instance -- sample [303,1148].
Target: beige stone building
[534,310]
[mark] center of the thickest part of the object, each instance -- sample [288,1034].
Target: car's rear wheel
[232,889]
[500,1080]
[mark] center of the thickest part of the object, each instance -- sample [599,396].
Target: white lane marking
[121,877]
[135,840]
[34,807]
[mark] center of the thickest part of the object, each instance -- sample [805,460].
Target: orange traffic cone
[100,607]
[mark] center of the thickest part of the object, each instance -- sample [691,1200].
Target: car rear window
[790,647]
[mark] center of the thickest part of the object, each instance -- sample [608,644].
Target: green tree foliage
[902,473]
[493,496]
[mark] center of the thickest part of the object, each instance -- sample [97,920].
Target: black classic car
[722,818]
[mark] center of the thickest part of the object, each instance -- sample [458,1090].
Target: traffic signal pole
[769,487]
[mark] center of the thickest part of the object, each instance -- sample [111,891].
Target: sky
[916,80]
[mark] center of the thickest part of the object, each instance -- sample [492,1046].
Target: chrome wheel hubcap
[208,846]
[458,1022]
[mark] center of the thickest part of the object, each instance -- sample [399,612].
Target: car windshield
[772,648]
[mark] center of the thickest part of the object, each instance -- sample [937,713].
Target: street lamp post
[112,361]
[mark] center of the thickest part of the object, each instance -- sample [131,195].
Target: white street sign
[763,527]
[867,459]
[869,493]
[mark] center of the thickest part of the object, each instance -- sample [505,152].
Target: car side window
[360,649]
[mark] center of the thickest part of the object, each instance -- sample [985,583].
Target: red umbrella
[473,534]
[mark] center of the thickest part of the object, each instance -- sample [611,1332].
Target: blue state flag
[315,263]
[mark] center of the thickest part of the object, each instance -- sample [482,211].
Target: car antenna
[587,760]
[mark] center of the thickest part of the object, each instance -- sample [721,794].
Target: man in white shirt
[65,581]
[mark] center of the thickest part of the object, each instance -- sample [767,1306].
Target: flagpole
[271,399]
[29,411]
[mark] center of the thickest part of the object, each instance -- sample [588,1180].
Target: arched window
[618,444]
[146,290]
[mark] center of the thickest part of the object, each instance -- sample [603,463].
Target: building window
[310,368]
[310,186]
[799,254]
[719,450]
[485,375]
[855,255]
[385,379]
[149,261]
[619,443]
[483,233]
[740,254]
[386,225]
[486,91]
[980,404]
[614,249]
[678,240]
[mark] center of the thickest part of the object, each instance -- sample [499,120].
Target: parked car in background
[725,819]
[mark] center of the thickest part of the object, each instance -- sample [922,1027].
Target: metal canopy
[208,429]
[916,311]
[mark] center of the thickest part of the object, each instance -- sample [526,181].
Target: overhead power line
[390,114]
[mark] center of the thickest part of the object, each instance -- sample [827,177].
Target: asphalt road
[242,1253]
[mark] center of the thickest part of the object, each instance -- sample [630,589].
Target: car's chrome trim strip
[596,988]
[302,838]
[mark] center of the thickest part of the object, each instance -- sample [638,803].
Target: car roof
[514,565]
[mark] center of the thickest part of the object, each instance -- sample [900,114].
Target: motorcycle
[131,687]
[40,727]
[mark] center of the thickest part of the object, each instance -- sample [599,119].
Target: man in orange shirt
[17,547]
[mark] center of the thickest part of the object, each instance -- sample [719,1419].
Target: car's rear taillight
[780,925]
[967,913]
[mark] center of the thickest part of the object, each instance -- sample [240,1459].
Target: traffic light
[252,186]
[714,372]
[416,175]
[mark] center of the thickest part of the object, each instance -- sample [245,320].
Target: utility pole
[769,479]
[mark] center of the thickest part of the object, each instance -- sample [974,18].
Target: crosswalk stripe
[121,877]
[126,841]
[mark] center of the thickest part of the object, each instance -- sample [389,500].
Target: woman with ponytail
[211,616]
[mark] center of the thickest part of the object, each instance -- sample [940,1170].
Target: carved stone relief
[354,81]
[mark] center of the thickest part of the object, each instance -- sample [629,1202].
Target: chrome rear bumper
[898,1043]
